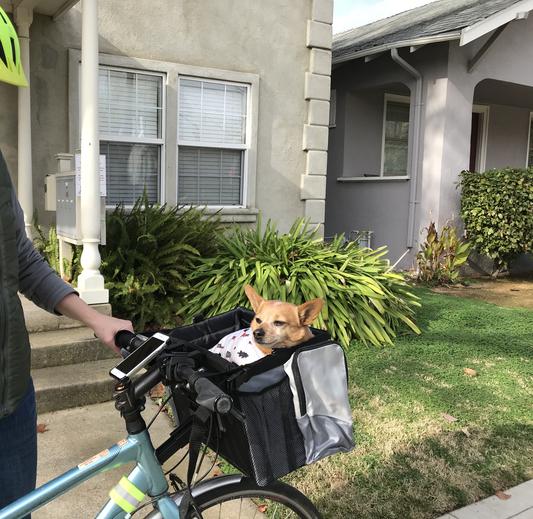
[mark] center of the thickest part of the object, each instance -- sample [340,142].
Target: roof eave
[448,36]
[517,11]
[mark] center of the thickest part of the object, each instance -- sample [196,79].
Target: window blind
[211,113]
[209,176]
[131,168]
[130,104]
[212,142]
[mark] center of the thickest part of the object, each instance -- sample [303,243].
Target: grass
[410,462]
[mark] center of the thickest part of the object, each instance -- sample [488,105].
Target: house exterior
[221,104]
[421,96]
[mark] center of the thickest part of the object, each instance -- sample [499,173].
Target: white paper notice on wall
[102,174]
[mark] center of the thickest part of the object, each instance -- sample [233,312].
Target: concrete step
[39,320]
[67,346]
[74,385]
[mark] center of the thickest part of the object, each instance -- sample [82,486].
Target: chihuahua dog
[275,325]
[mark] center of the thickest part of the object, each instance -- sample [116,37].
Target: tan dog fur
[281,325]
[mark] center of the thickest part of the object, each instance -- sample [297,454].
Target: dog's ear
[254,298]
[309,311]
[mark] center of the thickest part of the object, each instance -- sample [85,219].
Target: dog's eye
[278,323]
[258,321]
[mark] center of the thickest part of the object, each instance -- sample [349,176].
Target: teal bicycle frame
[147,476]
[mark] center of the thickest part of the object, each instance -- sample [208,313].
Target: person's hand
[105,328]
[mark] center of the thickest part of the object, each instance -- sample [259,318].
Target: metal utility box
[68,209]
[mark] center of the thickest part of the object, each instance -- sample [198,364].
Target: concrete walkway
[518,506]
[74,435]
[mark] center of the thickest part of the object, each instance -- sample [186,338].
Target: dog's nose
[259,333]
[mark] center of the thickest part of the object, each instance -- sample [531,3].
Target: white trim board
[518,11]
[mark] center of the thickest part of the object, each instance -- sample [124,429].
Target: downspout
[415,156]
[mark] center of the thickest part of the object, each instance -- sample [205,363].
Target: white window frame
[245,148]
[169,164]
[529,139]
[136,140]
[396,99]
[481,157]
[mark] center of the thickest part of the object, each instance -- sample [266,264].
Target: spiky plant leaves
[363,299]
[150,251]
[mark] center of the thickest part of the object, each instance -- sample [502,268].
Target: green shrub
[150,251]
[48,247]
[497,209]
[363,299]
[441,257]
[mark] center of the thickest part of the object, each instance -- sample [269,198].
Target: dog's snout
[259,333]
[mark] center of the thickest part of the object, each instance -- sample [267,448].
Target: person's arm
[41,284]
[104,327]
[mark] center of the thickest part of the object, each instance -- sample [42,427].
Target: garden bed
[430,437]
[515,293]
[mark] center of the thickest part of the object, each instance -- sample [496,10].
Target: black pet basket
[277,435]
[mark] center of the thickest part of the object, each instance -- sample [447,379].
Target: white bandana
[238,347]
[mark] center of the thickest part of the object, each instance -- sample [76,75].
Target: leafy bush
[497,209]
[363,299]
[150,252]
[441,257]
[48,247]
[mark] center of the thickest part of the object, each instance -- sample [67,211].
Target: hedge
[497,210]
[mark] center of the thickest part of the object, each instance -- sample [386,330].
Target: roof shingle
[437,18]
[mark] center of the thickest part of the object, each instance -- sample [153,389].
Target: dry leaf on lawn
[470,372]
[42,427]
[502,495]
[449,418]
[466,432]
[262,508]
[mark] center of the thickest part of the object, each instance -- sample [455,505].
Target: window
[131,133]
[395,146]
[212,142]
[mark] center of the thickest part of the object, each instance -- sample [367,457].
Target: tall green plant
[48,246]
[150,252]
[497,209]
[441,257]
[363,299]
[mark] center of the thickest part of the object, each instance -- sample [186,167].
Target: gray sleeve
[37,281]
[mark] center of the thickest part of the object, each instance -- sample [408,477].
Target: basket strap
[197,437]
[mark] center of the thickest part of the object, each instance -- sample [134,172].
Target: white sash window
[131,133]
[212,142]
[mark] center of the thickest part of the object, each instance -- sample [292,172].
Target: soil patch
[502,292]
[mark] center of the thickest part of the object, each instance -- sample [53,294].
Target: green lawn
[410,462]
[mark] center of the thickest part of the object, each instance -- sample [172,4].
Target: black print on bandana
[228,354]
[219,345]
[243,354]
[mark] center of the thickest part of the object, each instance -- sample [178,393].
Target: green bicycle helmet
[11,70]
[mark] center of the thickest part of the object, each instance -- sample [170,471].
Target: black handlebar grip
[123,338]
[211,396]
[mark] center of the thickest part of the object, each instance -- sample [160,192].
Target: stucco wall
[448,95]
[507,136]
[263,38]
[380,206]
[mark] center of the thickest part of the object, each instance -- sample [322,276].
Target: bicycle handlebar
[207,394]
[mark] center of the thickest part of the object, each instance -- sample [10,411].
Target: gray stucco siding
[507,136]
[230,35]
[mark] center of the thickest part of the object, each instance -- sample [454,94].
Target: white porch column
[448,119]
[23,19]
[90,281]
